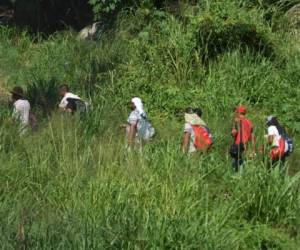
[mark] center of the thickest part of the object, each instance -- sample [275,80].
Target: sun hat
[192,117]
[17,91]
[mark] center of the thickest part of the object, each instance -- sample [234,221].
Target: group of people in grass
[197,136]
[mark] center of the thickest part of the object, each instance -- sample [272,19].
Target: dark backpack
[77,105]
[290,143]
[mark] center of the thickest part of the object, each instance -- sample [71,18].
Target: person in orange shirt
[242,132]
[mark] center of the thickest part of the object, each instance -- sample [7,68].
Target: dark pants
[237,162]
[236,153]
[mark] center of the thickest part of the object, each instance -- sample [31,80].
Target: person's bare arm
[270,139]
[234,132]
[186,141]
[131,134]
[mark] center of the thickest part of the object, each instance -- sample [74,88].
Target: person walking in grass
[138,128]
[197,136]
[70,102]
[242,132]
[277,138]
[21,108]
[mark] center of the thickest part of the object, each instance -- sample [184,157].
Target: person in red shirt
[242,132]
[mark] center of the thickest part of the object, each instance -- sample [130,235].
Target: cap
[241,110]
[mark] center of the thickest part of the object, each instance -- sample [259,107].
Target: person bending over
[70,102]
[138,128]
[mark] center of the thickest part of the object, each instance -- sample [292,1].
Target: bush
[216,36]
[222,29]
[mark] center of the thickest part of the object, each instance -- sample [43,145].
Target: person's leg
[274,163]
[241,160]
[237,162]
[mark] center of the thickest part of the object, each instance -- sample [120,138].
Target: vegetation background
[72,184]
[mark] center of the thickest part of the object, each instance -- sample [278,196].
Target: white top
[134,118]
[273,131]
[21,111]
[63,103]
[144,129]
[189,129]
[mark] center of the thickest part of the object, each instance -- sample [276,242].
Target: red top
[243,132]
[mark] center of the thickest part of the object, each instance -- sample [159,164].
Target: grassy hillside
[72,184]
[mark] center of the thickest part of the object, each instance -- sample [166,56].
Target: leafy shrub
[215,38]
[109,8]
[283,5]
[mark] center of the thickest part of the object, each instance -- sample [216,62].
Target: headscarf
[139,105]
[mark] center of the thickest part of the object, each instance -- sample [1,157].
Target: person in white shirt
[21,107]
[275,138]
[193,119]
[69,101]
[138,128]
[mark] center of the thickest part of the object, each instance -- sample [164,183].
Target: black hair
[189,110]
[274,122]
[64,87]
[198,111]
[16,97]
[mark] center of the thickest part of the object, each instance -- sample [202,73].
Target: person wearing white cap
[138,128]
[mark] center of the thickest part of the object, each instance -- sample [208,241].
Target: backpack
[145,129]
[203,137]
[81,106]
[77,105]
[290,143]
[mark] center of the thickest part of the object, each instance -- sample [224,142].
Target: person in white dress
[21,108]
[138,129]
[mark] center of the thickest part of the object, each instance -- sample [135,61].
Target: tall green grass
[73,185]
[70,192]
